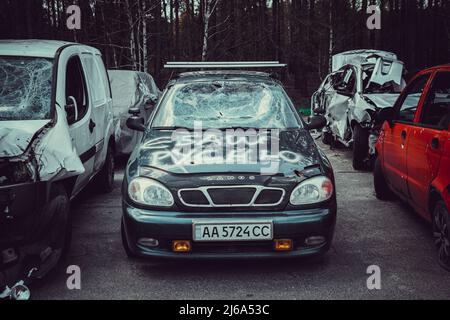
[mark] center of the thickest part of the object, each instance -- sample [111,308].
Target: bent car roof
[223,74]
[36,48]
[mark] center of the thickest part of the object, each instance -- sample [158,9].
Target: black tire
[382,189]
[360,147]
[58,235]
[126,247]
[441,233]
[105,178]
[327,138]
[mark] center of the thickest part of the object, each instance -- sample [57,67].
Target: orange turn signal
[181,246]
[283,245]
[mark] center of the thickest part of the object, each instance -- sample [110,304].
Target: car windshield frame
[153,124]
[49,111]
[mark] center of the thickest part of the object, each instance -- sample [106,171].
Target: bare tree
[208,6]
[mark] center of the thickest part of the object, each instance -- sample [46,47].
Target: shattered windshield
[25,88]
[227,104]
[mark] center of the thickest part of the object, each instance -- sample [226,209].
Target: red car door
[396,136]
[427,141]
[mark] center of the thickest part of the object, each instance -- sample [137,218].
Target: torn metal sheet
[55,153]
[357,57]
[130,89]
[386,71]
[15,136]
[337,113]
[46,145]
[384,100]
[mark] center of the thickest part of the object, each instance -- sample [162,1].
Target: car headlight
[313,190]
[150,193]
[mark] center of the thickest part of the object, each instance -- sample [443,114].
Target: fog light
[283,245]
[315,241]
[148,242]
[181,246]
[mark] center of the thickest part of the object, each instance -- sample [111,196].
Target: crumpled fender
[56,156]
[359,112]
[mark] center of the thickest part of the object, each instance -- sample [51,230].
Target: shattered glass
[226,104]
[25,88]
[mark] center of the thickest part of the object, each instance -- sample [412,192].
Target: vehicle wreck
[362,83]
[42,165]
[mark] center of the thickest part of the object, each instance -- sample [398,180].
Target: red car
[414,152]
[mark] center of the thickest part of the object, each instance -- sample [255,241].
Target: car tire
[126,247]
[327,138]
[360,147]
[382,189]
[58,235]
[441,233]
[105,178]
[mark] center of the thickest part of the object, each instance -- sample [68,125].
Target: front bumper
[168,226]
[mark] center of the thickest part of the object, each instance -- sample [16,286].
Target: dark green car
[227,169]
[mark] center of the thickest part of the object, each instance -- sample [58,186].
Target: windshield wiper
[172,128]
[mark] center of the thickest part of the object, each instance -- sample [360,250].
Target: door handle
[91,126]
[435,143]
[404,135]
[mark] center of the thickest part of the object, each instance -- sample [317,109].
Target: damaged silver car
[56,135]
[362,83]
[134,92]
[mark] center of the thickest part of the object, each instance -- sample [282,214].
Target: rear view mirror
[317,123]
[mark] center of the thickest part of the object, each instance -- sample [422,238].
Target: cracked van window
[25,88]
[226,104]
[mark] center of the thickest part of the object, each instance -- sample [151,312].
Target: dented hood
[15,136]
[383,100]
[296,150]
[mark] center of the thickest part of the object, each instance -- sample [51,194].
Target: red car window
[436,109]
[411,99]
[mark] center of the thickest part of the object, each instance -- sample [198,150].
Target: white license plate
[232,231]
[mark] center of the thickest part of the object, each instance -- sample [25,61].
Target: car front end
[213,204]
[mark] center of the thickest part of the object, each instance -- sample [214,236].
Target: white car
[362,83]
[56,135]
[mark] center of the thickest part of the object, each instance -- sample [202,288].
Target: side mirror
[386,114]
[317,122]
[136,123]
[71,110]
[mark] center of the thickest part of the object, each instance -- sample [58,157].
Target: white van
[56,135]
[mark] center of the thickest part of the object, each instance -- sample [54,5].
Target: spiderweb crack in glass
[25,88]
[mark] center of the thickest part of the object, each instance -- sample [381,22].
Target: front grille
[231,196]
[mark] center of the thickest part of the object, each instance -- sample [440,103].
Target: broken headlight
[150,192]
[15,172]
[313,190]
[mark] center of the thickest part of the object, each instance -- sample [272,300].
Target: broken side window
[25,88]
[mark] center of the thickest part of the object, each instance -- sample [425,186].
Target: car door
[396,135]
[427,140]
[76,92]
[97,86]
[340,102]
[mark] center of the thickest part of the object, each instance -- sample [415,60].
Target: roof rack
[224,65]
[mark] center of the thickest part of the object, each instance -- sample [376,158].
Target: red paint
[415,155]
